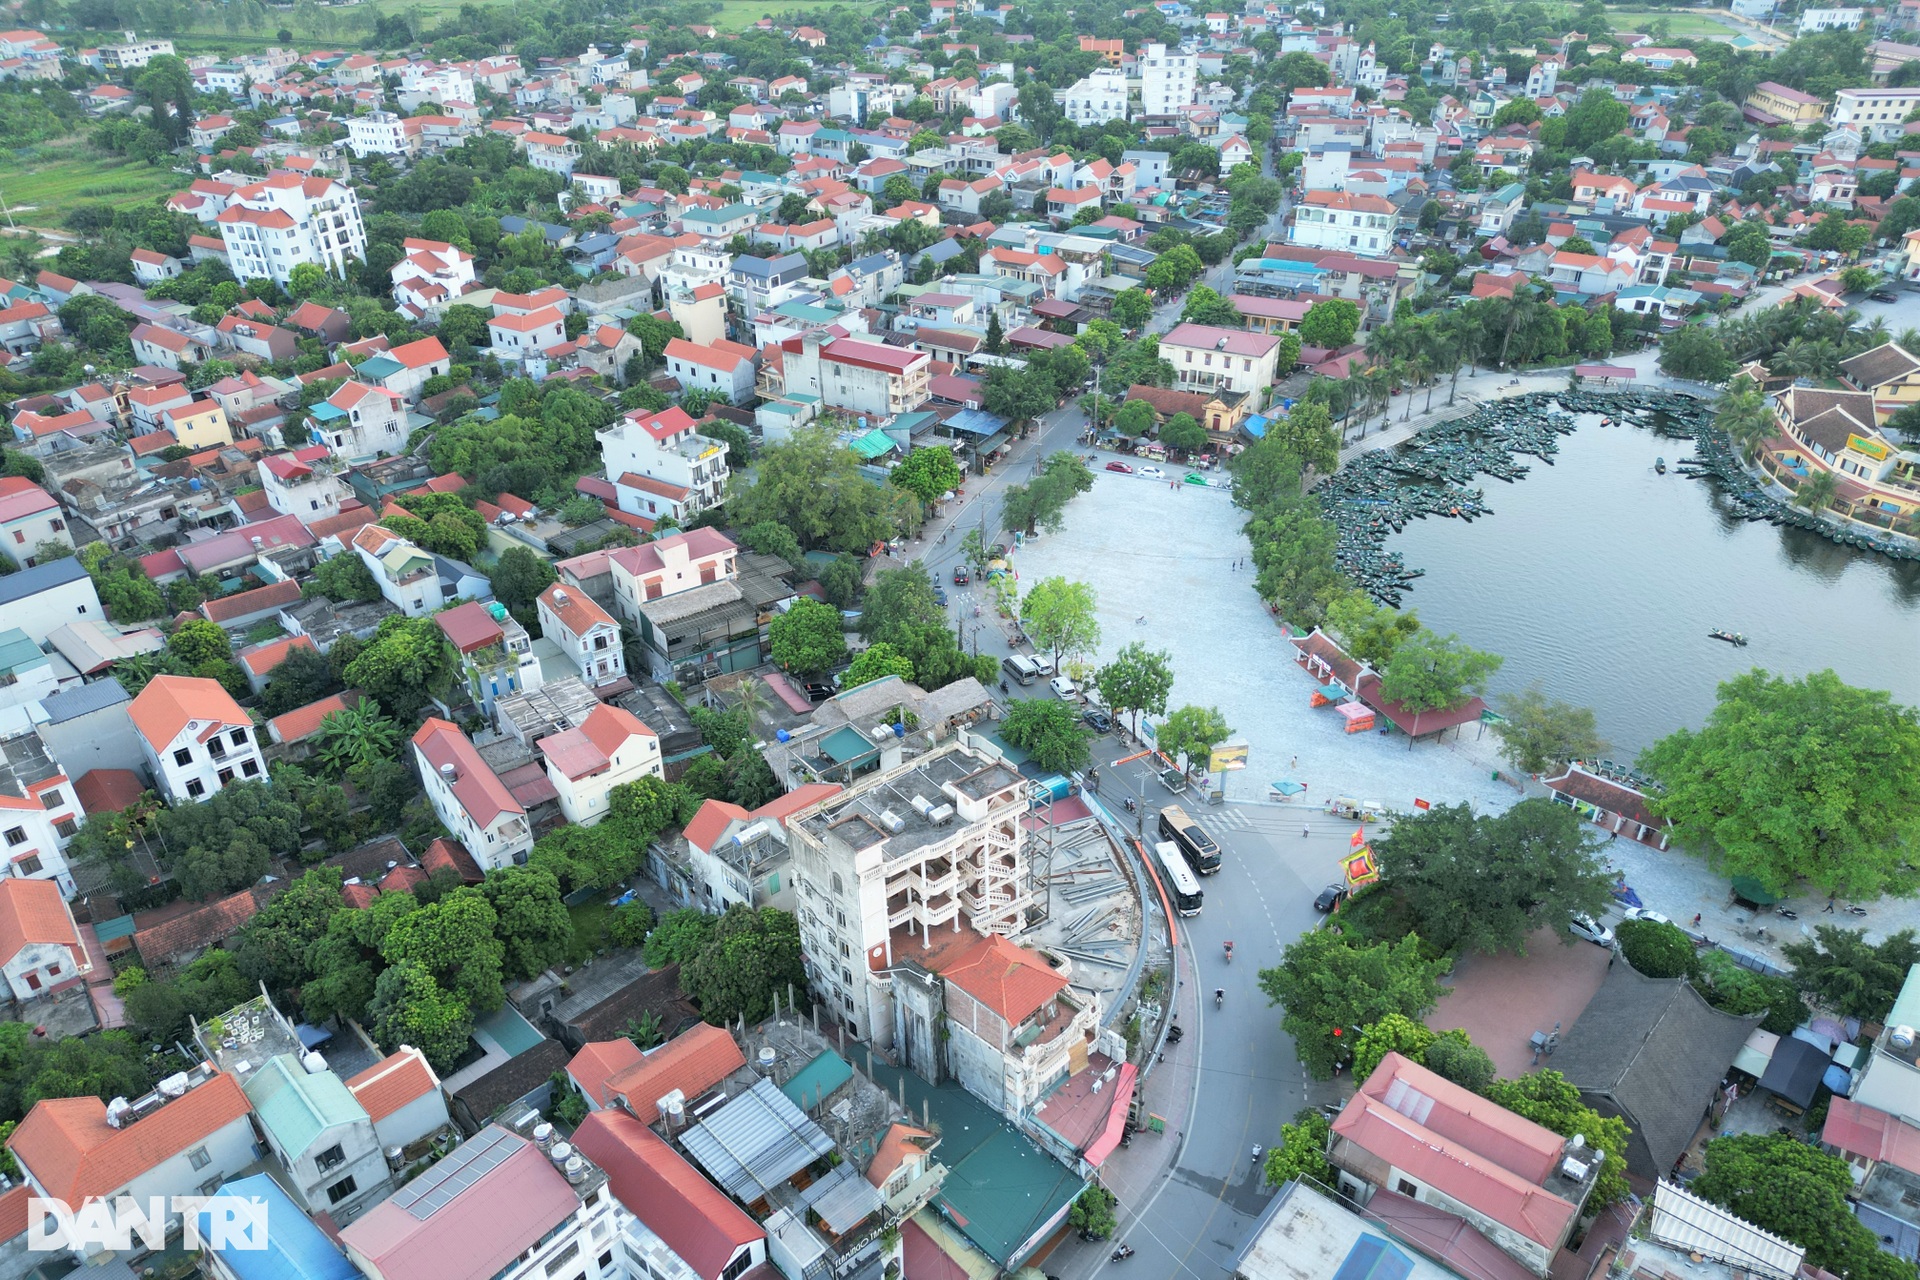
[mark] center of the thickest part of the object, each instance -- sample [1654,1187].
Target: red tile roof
[169,703]
[276,595]
[262,659]
[469,626]
[1867,1131]
[476,786]
[598,1062]
[574,609]
[692,1216]
[203,926]
[693,1062]
[32,911]
[1005,977]
[393,1082]
[13,1212]
[710,821]
[445,854]
[76,1155]
[301,723]
[108,790]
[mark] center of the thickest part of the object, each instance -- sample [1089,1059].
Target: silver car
[1590,929]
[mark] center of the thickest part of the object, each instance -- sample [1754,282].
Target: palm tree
[1873,334]
[1463,329]
[1909,341]
[356,735]
[1422,367]
[1745,416]
[753,700]
[1816,491]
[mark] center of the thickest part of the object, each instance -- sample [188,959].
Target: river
[1599,579]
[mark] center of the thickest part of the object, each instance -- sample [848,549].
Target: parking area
[1500,1001]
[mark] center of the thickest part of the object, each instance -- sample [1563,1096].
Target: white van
[1019,669]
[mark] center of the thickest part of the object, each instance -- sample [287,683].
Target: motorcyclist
[1219,996]
[1229,950]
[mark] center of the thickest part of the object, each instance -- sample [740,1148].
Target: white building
[1879,114]
[722,367]
[37,929]
[1096,98]
[517,339]
[303,484]
[664,447]
[432,275]
[379,133]
[1812,20]
[610,748]
[1207,358]
[668,566]
[131,54]
[497,1206]
[28,517]
[401,1095]
[195,737]
[863,376]
[585,633]
[41,816]
[1345,221]
[186,1138]
[275,225]
[1166,80]
[320,1135]
[470,798]
[407,576]
[359,421]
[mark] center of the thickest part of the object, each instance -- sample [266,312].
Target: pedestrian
[1696,919]
[1306,831]
[1829,906]
[1294,763]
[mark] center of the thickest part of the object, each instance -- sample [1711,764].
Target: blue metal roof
[293,1248]
[42,577]
[69,704]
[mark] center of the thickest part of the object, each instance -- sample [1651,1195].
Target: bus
[1199,847]
[1183,891]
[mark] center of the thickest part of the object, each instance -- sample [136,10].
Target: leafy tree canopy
[1330,988]
[1048,730]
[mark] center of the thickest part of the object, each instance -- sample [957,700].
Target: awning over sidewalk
[1116,1126]
[1604,371]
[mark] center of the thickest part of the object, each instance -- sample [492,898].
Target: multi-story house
[608,749]
[1212,359]
[1775,104]
[471,800]
[48,596]
[1879,113]
[186,1138]
[277,224]
[133,55]
[198,424]
[908,850]
[195,737]
[1590,189]
[1096,98]
[585,633]
[683,1227]
[722,367]
[518,339]
[861,377]
[40,817]
[303,484]
[379,133]
[406,369]
[668,566]
[663,448]
[40,946]
[553,152]
[495,652]
[406,575]
[498,1206]
[401,1093]
[28,517]
[1166,80]
[432,275]
[320,1135]
[1342,220]
[360,421]
[1812,20]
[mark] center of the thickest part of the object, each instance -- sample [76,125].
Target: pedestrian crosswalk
[1228,816]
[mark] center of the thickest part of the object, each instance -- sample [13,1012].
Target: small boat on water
[1660,465]
[1733,638]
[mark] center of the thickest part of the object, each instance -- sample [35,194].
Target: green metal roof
[846,745]
[296,1108]
[817,1080]
[873,444]
[18,652]
[375,368]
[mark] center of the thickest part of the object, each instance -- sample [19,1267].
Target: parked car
[1330,897]
[1097,720]
[1121,467]
[1064,688]
[1153,473]
[1590,929]
[1644,913]
[817,692]
[1883,295]
[960,576]
[1043,663]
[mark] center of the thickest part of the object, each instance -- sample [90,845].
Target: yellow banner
[1220,759]
[1860,444]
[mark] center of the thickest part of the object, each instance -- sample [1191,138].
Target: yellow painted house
[201,424]
[1888,373]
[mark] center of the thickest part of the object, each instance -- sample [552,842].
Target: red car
[1121,467]
[960,578]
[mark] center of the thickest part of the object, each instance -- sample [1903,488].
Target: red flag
[1421,804]
[1358,838]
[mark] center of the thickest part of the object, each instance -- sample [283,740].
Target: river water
[1599,579]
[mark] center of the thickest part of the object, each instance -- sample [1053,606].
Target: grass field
[43,184]
[1684,25]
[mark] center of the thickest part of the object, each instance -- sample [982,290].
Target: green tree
[1745,415]
[533,925]
[769,538]
[1655,948]
[1457,1058]
[1138,679]
[679,937]
[1307,431]
[519,576]
[1547,1099]
[877,662]
[1092,1212]
[1696,353]
[1808,778]
[995,340]
[1301,1151]
[1395,1033]
[275,943]
[812,484]
[1734,989]
[408,662]
[927,474]
[1433,672]
[1133,418]
[1540,734]
[1193,732]
[1331,988]
[1369,631]
[356,736]
[1330,323]
[1060,616]
[807,638]
[199,642]
[456,941]
[1132,308]
[303,676]
[1799,1193]
[346,578]
[410,1007]
[629,924]
[1049,731]
[1489,882]
[1749,243]
[1841,970]
[1596,117]
[1204,306]
[750,958]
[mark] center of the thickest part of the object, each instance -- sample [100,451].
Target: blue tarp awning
[977,422]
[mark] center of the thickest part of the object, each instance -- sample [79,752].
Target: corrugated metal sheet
[756,1142]
[1685,1221]
[843,1199]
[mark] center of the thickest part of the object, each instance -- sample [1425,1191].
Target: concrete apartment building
[1096,98]
[1879,113]
[1343,220]
[925,845]
[868,378]
[274,225]
[1166,80]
